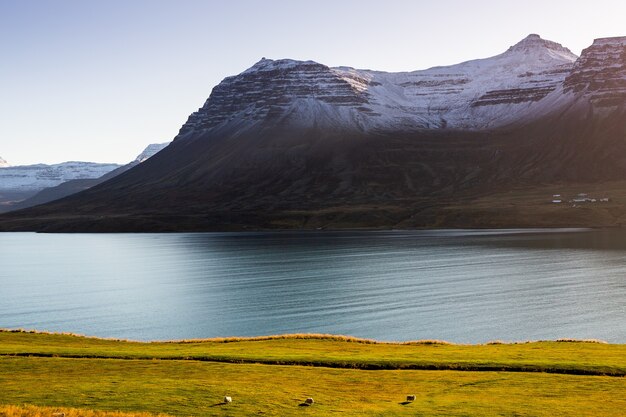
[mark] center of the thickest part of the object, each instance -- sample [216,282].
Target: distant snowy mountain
[150,151]
[40,176]
[30,178]
[16,200]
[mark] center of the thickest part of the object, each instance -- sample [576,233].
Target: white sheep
[309,401]
[228,400]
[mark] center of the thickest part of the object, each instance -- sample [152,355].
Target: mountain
[3,163]
[296,144]
[20,182]
[149,152]
[475,94]
[37,177]
[76,185]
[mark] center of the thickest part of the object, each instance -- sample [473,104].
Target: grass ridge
[348,365]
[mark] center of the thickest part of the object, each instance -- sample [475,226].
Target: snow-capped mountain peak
[533,43]
[265,65]
[477,94]
[40,176]
[3,163]
[150,151]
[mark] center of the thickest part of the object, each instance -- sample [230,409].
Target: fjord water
[461,286]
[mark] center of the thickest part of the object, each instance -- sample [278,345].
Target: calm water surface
[461,286]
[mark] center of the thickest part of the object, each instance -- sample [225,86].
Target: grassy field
[349,377]
[35,411]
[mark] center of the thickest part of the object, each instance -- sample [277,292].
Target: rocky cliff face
[600,73]
[269,89]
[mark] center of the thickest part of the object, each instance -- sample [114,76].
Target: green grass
[334,351]
[132,377]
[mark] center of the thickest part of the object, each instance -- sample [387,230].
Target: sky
[93,80]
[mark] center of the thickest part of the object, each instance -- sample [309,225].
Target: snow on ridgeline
[150,151]
[40,176]
[472,95]
[16,198]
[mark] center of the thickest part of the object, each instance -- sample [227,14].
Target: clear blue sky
[98,80]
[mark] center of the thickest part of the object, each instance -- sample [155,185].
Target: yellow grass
[346,376]
[35,411]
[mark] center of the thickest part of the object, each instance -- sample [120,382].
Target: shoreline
[495,230]
[305,336]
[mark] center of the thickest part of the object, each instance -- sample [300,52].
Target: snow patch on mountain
[474,94]
[3,163]
[150,151]
[534,42]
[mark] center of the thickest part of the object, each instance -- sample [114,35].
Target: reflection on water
[462,286]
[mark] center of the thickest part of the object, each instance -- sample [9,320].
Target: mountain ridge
[38,176]
[27,192]
[374,100]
